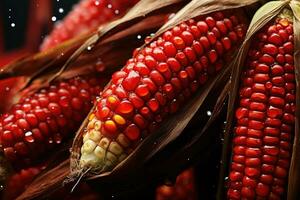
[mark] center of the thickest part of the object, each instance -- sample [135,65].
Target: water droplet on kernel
[208,113]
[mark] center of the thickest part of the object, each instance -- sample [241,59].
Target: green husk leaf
[294,172]
[265,14]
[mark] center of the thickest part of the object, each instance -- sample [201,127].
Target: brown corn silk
[111,125]
[261,161]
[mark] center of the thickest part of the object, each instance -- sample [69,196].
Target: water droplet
[225,122]
[208,113]
[89,48]
[7,89]
[9,9]
[9,17]
[117,12]
[226,178]
[12,24]
[152,34]
[53,18]
[60,10]
[112,196]
[188,159]
[139,37]
[109,6]
[97,3]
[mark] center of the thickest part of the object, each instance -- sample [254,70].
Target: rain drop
[53,18]
[97,3]
[89,48]
[208,113]
[139,37]
[60,10]
[12,24]
[117,12]
[7,89]
[109,6]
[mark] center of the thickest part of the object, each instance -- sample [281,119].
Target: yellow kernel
[88,147]
[112,100]
[115,148]
[284,22]
[91,124]
[99,152]
[119,119]
[104,142]
[122,139]
[94,135]
[110,126]
[91,117]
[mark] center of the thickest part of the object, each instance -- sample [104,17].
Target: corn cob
[18,182]
[42,120]
[155,83]
[265,116]
[86,16]
[184,188]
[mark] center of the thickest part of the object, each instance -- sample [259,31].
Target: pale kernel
[97,125]
[111,157]
[95,135]
[99,152]
[88,146]
[85,137]
[104,142]
[115,148]
[89,160]
[122,139]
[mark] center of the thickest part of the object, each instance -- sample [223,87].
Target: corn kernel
[115,148]
[119,119]
[88,146]
[104,142]
[94,135]
[122,139]
[99,152]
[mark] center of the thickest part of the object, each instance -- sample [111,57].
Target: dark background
[17,11]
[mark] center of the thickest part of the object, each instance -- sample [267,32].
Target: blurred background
[24,24]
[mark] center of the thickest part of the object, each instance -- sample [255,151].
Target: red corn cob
[86,16]
[265,116]
[42,120]
[18,182]
[155,83]
[184,188]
